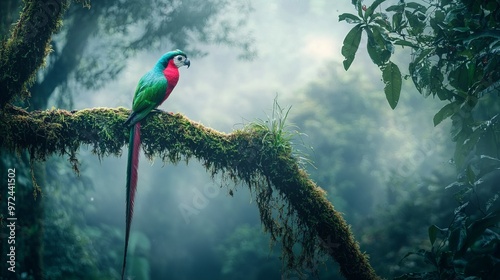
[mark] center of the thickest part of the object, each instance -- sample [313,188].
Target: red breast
[172,75]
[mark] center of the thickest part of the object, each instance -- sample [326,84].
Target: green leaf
[462,218]
[357,4]
[349,18]
[416,24]
[492,201]
[384,24]
[455,184]
[430,257]
[488,140]
[399,8]
[416,6]
[459,77]
[372,49]
[420,74]
[445,2]
[392,79]
[433,231]
[379,46]
[436,81]
[436,21]
[447,111]
[476,229]
[471,175]
[405,43]
[457,238]
[466,142]
[397,21]
[369,11]
[453,17]
[461,29]
[422,53]
[445,94]
[351,44]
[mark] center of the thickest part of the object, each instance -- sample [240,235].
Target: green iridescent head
[179,57]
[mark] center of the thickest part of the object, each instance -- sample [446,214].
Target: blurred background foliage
[454,48]
[391,173]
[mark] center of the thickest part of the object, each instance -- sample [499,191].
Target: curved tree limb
[250,155]
[243,155]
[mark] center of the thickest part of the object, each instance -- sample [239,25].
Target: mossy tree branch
[243,155]
[292,208]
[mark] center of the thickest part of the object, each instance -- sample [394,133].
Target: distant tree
[381,180]
[95,43]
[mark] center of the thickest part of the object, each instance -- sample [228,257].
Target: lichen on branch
[292,208]
[24,52]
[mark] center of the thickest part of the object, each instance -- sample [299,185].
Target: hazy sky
[296,40]
[294,43]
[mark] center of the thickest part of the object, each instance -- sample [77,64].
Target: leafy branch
[455,48]
[379,46]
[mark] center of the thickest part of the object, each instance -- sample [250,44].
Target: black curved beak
[187,62]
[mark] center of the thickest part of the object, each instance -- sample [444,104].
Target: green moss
[29,44]
[292,208]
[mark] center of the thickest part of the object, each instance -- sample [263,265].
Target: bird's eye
[179,58]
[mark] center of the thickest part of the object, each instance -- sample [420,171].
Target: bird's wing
[149,93]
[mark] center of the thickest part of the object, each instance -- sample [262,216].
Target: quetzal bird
[153,88]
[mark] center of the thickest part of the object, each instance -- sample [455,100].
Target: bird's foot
[158,111]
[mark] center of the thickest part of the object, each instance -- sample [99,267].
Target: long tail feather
[133,164]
